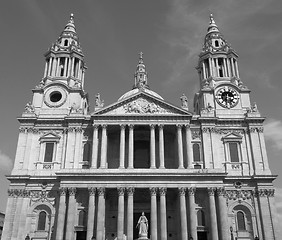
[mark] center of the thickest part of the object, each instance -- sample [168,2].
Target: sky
[170,33]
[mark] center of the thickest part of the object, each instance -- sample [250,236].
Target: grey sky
[112,33]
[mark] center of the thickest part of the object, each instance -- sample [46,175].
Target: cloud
[272,133]
[6,163]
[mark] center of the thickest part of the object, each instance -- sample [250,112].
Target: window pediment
[50,137]
[232,137]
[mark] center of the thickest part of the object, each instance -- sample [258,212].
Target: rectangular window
[49,149]
[234,153]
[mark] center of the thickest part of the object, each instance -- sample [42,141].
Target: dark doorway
[136,217]
[142,154]
[202,236]
[81,235]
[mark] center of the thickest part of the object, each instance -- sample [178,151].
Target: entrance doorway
[136,217]
[81,235]
[202,236]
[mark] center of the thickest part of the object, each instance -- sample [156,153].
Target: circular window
[55,97]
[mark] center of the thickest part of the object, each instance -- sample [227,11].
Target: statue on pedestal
[143,226]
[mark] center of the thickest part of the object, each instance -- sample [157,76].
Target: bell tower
[61,90]
[221,90]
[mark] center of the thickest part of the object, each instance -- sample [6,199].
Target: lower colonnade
[158,208]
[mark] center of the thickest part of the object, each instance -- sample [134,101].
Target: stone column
[153,146]
[229,67]
[225,67]
[50,65]
[65,67]
[10,214]
[267,220]
[122,146]
[53,72]
[232,66]
[101,214]
[95,144]
[183,213]
[91,213]
[72,67]
[71,214]
[180,146]
[193,215]
[58,66]
[104,147]
[161,146]
[211,67]
[237,69]
[78,147]
[213,218]
[131,146]
[224,229]
[16,221]
[61,214]
[189,150]
[163,213]
[130,192]
[154,224]
[216,66]
[204,70]
[120,223]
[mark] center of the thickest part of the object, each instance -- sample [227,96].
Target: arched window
[216,43]
[66,43]
[201,218]
[196,152]
[86,152]
[41,221]
[81,218]
[241,221]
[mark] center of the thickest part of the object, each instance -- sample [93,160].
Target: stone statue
[98,102]
[143,226]
[184,101]
[29,108]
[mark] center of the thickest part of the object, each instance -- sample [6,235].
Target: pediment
[142,104]
[232,136]
[50,136]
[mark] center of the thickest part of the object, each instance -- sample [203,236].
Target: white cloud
[273,133]
[6,163]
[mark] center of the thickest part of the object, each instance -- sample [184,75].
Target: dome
[136,90]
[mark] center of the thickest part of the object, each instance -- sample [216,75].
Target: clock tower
[221,90]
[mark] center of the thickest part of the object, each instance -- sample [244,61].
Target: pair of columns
[104,147]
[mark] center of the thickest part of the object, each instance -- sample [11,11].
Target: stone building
[200,174]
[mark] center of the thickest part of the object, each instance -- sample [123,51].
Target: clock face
[227,97]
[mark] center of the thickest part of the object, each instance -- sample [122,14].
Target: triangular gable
[144,104]
[232,136]
[50,136]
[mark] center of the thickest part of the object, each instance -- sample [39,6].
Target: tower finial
[212,26]
[141,57]
[212,19]
[71,18]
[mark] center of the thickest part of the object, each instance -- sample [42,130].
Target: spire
[70,27]
[212,26]
[140,75]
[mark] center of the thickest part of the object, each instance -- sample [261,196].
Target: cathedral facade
[140,168]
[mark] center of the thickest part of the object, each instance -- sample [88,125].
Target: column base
[143,238]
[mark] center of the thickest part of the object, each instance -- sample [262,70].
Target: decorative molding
[41,196]
[121,191]
[265,192]
[182,191]
[130,191]
[63,191]
[221,191]
[101,191]
[162,191]
[196,134]
[191,191]
[239,194]
[72,191]
[92,191]
[153,191]
[211,191]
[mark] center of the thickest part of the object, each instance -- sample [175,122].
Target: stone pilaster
[163,213]
[192,212]
[183,213]
[131,146]
[95,144]
[130,193]
[91,212]
[189,150]
[154,223]
[120,224]
[101,214]
[180,146]
[152,146]
[104,147]
[61,214]
[161,146]
[213,217]
[122,146]
[71,213]
[223,220]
